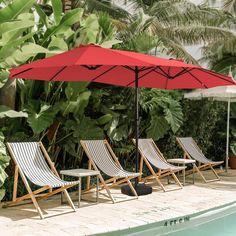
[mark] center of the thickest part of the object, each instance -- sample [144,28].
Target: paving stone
[106,217]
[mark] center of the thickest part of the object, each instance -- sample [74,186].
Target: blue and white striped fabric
[29,157]
[153,156]
[102,157]
[195,152]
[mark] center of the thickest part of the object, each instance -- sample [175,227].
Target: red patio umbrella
[96,64]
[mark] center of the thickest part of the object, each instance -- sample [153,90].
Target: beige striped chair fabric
[104,161]
[154,157]
[33,164]
[192,151]
[30,158]
[101,157]
[151,156]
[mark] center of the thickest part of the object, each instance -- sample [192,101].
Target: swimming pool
[220,221]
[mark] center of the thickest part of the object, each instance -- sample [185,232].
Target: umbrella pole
[136,124]
[141,189]
[227,138]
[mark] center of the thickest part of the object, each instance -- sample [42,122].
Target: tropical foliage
[61,113]
[4,161]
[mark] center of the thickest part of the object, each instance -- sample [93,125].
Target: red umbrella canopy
[96,64]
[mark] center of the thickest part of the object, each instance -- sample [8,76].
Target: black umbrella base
[141,189]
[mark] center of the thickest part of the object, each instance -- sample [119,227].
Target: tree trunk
[8,93]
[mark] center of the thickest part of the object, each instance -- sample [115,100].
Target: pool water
[223,226]
[219,221]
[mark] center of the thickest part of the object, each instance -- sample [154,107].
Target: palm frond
[230,6]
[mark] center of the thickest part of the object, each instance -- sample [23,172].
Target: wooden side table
[183,162]
[79,173]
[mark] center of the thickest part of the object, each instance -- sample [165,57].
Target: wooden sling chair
[151,156]
[33,164]
[192,151]
[101,157]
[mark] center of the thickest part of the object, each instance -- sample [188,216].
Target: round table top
[79,172]
[181,161]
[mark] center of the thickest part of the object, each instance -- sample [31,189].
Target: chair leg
[16,175]
[154,175]
[217,176]
[68,198]
[159,183]
[88,178]
[132,188]
[140,169]
[107,189]
[33,198]
[31,194]
[36,205]
[200,173]
[176,179]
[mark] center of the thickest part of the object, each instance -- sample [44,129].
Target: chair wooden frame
[200,167]
[111,182]
[33,195]
[161,172]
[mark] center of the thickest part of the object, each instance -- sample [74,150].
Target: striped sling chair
[34,164]
[192,151]
[101,157]
[152,157]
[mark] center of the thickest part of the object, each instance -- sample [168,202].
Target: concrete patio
[106,217]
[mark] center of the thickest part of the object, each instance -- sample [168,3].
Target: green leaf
[2,193]
[87,129]
[9,46]
[15,25]
[89,30]
[57,10]
[22,55]
[4,75]
[118,133]
[119,107]
[42,16]
[110,43]
[11,11]
[3,175]
[67,20]
[158,128]
[43,119]
[73,89]
[174,115]
[57,43]
[76,107]
[117,130]
[8,112]
[4,162]
[3,153]
[104,119]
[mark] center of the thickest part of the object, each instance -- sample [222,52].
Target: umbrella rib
[216,74]
[91,67]
[129,68]
[165,74]
[199,81]
[21,72]
[185,70]
[146,68]
[58,72]
[153,69]
[93,80]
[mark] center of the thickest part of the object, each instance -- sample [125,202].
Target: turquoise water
[215,222]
